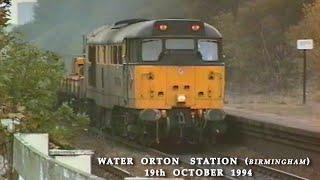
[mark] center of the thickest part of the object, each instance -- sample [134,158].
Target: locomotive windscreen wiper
[149,40]
[199,54]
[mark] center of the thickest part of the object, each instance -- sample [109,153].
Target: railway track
[259,171]
[113,172]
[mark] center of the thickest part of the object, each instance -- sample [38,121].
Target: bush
[30,77]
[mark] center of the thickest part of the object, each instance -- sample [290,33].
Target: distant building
[25,12]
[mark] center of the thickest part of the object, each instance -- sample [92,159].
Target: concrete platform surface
[307,123]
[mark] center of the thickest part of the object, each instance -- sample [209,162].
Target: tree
[257,47]
[307,28]
[4,12]
[30,77]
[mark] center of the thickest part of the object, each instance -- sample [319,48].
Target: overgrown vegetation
[309,27]
[260,56]
[30,78]
[4,12]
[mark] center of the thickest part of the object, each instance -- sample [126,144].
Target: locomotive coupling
[164,113]
[214,115]
[150,115]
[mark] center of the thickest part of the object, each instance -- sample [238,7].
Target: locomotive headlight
[181,98]
[195,27]
[163,27]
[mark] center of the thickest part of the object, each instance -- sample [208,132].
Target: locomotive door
[127,82]
[92,67]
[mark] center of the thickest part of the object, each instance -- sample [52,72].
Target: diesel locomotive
[154,80]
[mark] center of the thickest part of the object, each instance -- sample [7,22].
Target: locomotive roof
[139,28]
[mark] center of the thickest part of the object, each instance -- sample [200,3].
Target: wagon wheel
[107,116]
[141,134]
[117,122]
[92,111]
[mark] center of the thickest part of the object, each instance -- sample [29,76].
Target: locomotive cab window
[208,49]
[180,44]
[151,49]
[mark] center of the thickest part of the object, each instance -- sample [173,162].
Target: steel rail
[112,169]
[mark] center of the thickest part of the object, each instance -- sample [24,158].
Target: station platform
[305,119]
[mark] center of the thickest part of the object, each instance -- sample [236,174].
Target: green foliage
[30,78]
[61,124]
[66,115]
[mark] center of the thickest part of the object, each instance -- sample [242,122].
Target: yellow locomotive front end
[166,87]
[185,101]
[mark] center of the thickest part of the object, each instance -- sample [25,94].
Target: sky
[13,10]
